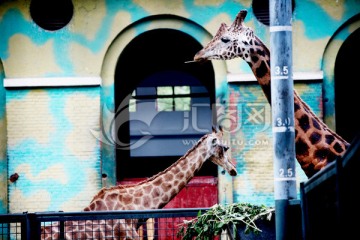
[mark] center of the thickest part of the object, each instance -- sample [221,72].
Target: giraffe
[152,193]
[315,143]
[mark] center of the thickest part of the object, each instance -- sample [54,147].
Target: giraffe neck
[316,145]
[157,191]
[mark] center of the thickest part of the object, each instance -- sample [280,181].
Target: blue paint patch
[42,156]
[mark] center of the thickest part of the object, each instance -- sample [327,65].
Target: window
[166,98]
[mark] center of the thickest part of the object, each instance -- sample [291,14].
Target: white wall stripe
[297,76]
[52,82]
[280,28]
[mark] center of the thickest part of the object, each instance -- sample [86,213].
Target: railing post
[33,227]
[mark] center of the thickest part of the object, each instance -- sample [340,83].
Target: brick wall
[251,139]
[51,148]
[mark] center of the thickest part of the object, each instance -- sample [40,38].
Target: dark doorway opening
[347,84]
[156,95]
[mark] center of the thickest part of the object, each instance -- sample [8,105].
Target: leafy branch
[219,218]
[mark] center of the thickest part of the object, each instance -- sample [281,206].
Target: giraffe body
[152,193]
[315,143]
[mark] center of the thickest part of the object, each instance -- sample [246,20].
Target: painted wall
[47,135]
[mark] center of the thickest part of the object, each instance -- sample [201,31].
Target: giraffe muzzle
[199,57]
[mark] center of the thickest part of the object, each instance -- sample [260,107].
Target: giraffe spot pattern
[166,186]
[168,177]
[138,193]
[329,139]
[321,154]
[148,188]
[304,123]
[338,148]
[260,52]
[261,70]
[146,201]
[316,124]
[254,59]
[296,107]
[158,181]
[301,148]
[180,175]
[155,193]
[127,199]
[315,137]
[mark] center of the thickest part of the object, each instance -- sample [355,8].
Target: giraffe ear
[221,30]
[213,129]
[239,20]
[220,128]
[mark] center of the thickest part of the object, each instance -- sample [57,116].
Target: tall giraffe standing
[315,143]
[152,193]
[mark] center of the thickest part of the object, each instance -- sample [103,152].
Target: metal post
[282,105]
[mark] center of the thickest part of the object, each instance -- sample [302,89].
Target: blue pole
[282,105]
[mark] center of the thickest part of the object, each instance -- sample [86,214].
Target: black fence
[330,205]
[161,224]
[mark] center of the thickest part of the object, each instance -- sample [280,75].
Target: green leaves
[219,218]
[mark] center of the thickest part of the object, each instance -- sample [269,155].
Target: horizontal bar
[52,82]
[297,76]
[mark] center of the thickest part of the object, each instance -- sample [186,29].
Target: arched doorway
[347,83]
[166,103]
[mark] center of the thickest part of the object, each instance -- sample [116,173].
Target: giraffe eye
[225,40]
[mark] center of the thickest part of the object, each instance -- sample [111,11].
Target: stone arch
[328,65]
[3,154]
[109,68]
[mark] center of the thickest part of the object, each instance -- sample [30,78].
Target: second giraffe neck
[154,192]
[316,144]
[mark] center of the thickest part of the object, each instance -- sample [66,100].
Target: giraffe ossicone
[315,143]
[152,193]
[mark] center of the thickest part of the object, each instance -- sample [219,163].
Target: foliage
[219,218]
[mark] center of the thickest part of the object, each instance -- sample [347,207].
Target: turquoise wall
[59,157]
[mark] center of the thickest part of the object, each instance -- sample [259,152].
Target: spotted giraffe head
[217,151]
[229,42]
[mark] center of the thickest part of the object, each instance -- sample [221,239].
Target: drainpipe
[282,106]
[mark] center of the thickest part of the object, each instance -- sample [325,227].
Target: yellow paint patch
[23,6]
[208,2]
[334,8]
[259,164]
[85,61]
[3,138]
[307,52]
[84,114]
[163,7]
[30,117]
[55,172]
[122,19]
[36,202]
[84,197]
[25,61]
[88,17]
[3,187]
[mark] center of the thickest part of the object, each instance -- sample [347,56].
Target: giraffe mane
[105,189]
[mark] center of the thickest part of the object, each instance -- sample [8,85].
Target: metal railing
[159,224]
